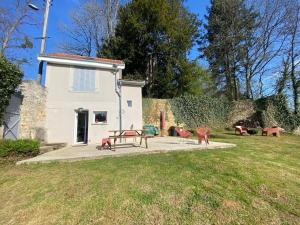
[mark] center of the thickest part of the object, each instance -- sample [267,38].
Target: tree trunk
[248,87]
[235,82]
[293,67]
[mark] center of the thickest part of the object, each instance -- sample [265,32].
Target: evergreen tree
[153,37]
[227,30]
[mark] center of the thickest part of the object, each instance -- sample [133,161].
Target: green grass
[258,182]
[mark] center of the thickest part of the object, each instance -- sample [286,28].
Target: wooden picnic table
[133,134]
[138,132]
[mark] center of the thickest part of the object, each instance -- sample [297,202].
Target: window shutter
[83,80]
[76,80]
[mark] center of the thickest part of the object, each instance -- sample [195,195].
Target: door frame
[86,133]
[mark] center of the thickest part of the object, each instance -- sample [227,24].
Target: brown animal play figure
[271,130]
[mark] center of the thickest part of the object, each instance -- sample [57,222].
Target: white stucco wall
[62,103]
[132,116]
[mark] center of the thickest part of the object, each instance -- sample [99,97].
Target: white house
[86,98]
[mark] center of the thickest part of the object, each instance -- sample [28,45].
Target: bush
[274,110]
[25,147]
[197,111]
[11,77]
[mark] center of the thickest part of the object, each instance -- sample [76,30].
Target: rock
[297,131]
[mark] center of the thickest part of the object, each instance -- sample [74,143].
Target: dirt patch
[231,204]
[154,215]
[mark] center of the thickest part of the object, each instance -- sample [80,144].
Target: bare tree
[264,43]
[111,8]
[91,24]
[84,34]
[282,81]
[292,29]
[14,16]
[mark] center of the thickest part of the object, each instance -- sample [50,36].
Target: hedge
[23,147]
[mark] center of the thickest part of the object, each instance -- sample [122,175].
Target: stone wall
[297,131]
[33,111]
[1,132]
[242,110]
[152,109]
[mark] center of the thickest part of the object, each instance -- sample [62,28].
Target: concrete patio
[155,145]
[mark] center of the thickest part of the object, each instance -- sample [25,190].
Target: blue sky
[59,14]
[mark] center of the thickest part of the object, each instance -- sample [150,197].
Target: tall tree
[264,41]
[91,23]
[229,25]
[111,8]
[292,29]
[154,37]
[85,33]
[14,16]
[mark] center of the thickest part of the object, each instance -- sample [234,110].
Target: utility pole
[43,44]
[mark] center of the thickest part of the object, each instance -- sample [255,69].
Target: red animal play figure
[183,133]
[106,144]
[240,129]
[203,134]
[271,130]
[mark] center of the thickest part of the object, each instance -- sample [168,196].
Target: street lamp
[33,6]
[43,43]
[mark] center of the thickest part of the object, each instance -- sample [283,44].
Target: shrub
[197,111]
[274,110]
[25,147]
[11,77]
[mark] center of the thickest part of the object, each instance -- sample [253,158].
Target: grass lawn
[257,182]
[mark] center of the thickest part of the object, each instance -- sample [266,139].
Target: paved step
[44,149]
[47,147]
[57,145]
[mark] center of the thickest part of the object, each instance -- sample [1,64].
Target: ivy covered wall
[193,111]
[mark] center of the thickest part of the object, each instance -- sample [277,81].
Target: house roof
[71,56]
[131,83]
[69,59]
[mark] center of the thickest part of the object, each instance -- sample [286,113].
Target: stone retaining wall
[152,109]
[33,111]
[242,110]
[1,132]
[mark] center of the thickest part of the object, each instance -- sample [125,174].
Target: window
[129,103]
[100,117]
[84,80]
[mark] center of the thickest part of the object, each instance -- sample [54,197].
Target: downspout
[119,93]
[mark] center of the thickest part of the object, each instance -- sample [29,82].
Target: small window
[129,103]
[100,117]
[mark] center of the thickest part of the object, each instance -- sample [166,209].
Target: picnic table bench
[124,134]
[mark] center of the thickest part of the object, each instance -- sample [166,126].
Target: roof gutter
[131,83]
[80,62]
